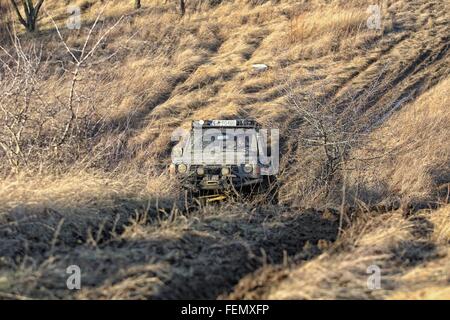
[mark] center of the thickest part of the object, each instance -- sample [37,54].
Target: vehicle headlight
[225,171]
[248,168]
[177,152]
[200,171]
[182,168]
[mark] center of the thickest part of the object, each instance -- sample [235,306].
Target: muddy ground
[197,256]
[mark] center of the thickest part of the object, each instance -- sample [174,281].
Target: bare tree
[31,13]
[323,130]
[319,140]
[4,19]
[182,7]
[23,110]
[37,123]
[79,62]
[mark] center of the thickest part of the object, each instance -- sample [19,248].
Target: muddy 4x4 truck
[219,159]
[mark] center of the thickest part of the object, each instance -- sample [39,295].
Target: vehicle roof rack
[236,123]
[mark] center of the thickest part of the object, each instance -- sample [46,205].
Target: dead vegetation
[412,261]
[411,155]
[85,135]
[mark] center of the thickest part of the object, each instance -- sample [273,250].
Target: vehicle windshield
[221,145]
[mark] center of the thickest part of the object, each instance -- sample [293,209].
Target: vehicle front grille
[217,170]
[213,170]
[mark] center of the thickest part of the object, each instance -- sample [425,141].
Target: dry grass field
[86,117]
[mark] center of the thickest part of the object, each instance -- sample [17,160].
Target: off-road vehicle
[219,158]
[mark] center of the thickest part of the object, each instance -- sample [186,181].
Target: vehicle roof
[233,123]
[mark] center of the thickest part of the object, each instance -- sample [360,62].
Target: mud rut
[202,259]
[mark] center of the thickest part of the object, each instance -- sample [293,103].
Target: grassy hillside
[410,249]
[87,117]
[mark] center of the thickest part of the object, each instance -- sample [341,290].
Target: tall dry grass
[331,22]
[157,71]
[411,153]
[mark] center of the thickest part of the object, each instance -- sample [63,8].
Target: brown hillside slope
[411,153]
[101,199]
[166,71]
